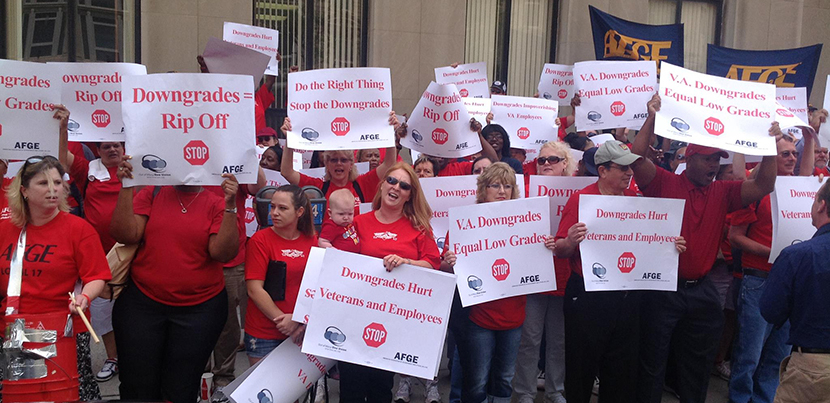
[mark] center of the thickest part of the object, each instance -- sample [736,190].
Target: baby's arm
[324,243]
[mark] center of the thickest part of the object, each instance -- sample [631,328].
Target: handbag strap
[16,275]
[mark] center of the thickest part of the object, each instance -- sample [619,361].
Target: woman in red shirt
[274,267]
[170,315]
[397,231]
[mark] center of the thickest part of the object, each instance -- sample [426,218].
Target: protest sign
[320,172]
[26,124]
[793,100]
[790,123]
[283,376]
[530,122]
[613,94]
[716,112]
[251,224]
[630,242]
[791,203]
[824,129]
[557,83]
[260,39]
[92,92]
[598,139]
[440,124]
[470,79]
[340,109]
[500,247]
[308,286]
[558,189]
[395,321]
[478,108]
[189,128]
[227,58]
[784,68]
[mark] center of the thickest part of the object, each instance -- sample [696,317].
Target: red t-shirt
[759,220]
[368,183]
[342,238]
[821,171]
[703,217]
[5,212]
[457,169]
[99,205]
[174,266]
[265,246]
[58,254]
[241,196]
[398,238]
[77,172]
[264,98]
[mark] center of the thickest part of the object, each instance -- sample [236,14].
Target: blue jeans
[758,350]
[258,348]
[488,359]
[455,378]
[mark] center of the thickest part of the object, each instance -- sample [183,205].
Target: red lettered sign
[374,335]
[617,108]
[440,136]
[523,133]
[626,262]
[340,126]
[196,152]
[100,118]
[713,126]
[501,269]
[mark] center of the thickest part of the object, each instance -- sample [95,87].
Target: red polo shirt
[759,219]
[703,217]
[457,169]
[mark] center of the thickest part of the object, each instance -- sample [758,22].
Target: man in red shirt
[692,315]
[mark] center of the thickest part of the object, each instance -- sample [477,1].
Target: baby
[339,231]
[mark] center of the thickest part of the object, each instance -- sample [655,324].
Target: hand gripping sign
[189,128]
[439,125]
[26,124]
[501,249]
[92,92]
[263,40]
[340,109]
[478,108]
[471,79]
[395,321]
[557,83]
[613,94]
[716,112]
[791,205]
[630,242]
[530,122]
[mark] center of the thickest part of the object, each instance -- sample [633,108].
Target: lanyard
[16,275]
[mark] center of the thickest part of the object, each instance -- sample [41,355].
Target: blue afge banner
[618,39]
[784,68]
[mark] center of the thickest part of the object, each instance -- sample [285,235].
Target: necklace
[184,209]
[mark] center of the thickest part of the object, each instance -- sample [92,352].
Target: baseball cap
[693,149]
[265,132]
[616,152]
[588,160]
[500,85]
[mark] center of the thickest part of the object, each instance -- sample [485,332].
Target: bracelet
[231,210]
[88,301]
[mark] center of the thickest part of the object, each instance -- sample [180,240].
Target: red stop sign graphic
[562,93]
[374,335]
[440,136]
[196,152]
[101,118]
[523,133]
[249,215]
[713,126]
[340,126]
[784,112]
[501,269]
[617,108]
[464,93]
[626,262]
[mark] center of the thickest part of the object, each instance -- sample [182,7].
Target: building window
[701,25]
[514,37]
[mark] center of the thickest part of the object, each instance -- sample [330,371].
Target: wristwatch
[231,210]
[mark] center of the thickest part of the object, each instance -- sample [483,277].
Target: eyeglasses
[392,181]
[788,154]
[342,160]
[552,160]
[497,186]
[623,168]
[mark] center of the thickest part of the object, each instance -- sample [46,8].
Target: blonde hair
[343,197]
[348,154]
[19,206]
[561,149]
[498,172]
[416,209]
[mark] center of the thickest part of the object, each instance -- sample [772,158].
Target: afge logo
[335,336]
[153,163]
[474,283]
[599,270]
[417,136]
[73,125]
[264,396]
[292,253]
[679,124]
[310,134]
[594,116]
[764,74]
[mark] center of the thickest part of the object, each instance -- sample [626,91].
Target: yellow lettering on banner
[763,74]
[619,45]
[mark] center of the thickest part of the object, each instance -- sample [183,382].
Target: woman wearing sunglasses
[397,231]
[341,172]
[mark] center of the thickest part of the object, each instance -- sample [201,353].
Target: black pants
[360,384]
[694,318]
[162,349]
[601,339]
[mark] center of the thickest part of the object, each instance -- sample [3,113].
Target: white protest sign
[440,124]
[824,130]
[613,94]
[302,159]
[251,225]
[92,93]
[530,122]
[557,83]
[478,108]
[395,321]
[558,189]
[26,124]
[340,109]
[320,172]
[263,40]
[13,168]
[598,139]
[789,122]
[795,100]
[501,250]
[577,154]
[189,128]
[308,286]
[228,58]
[791,203]
[630,242]
[471,79]
[283,376]
[715,111]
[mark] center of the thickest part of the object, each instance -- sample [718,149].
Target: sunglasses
[37,159]
[788,154]
[552,160]
[623,168]
[497,186]
[395,181]
[342,160]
